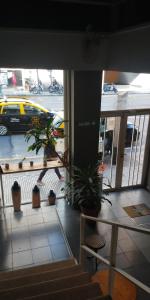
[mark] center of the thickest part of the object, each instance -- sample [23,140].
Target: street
[15,147]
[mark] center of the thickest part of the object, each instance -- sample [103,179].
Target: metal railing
[113,249]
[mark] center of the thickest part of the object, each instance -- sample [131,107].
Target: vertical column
[120,153]
[85,116]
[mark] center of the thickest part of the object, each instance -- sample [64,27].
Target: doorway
[122,146]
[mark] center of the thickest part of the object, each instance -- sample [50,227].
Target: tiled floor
[133,251]
[35,237]
[30,237]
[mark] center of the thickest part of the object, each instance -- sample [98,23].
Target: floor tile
[127,244]
[22,258]
[39,241]
[19,222]
[35,219]
[55,237]
[59,251]
[42,254]
[21,244]
[135,257]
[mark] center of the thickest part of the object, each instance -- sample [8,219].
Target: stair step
[45,287]
[107,297]
[83,292]
[44,276]
[38,269]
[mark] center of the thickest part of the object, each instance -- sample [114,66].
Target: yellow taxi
[17,115]
[58,124]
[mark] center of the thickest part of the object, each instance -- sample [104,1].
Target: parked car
[106,142]
[58,124]
[17,115]
[109,89]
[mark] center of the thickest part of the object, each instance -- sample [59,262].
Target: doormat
[138,210]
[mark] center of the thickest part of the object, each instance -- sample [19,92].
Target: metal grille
[123,154]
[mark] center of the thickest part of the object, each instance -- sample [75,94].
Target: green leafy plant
[42,137]
[86,188]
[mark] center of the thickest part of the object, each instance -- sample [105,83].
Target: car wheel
[3,130]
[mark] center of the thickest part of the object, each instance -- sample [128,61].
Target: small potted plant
[85,190]
[20,163]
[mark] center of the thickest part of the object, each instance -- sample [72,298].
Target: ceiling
[103,16]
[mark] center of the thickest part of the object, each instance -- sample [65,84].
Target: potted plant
[42,137]
[45,138]
[85,190]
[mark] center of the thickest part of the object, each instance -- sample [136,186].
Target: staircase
[63,280]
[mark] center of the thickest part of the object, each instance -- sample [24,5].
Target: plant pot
[51,197]
[36,197]
[92,212]
[7,166]
[51,200]
[20,165]
[31,163]
[44,162]
[16,198]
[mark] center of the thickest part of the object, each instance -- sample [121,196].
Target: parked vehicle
[58,124]
[17,115]
[36,88]
[106,137]
[109,89]
[56,88]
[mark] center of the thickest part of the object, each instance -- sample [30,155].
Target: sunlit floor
[31,237]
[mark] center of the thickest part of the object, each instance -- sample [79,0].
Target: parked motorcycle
[36,88]
[56,88]
[109,89]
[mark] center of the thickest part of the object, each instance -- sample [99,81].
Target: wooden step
[44,276]
[38,269]
[107,297]
[45,287]
[83,292]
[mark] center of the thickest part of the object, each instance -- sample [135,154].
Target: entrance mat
[138,210]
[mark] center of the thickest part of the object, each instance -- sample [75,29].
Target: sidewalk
[19,91]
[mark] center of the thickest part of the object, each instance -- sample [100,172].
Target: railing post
[2,189]
[82,239]
[113,249]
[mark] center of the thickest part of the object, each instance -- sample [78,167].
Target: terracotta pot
[20,165]
[31,163]
[16,197]
[7,166]
[36,197]
[51,197]
[45,163]
[51,200]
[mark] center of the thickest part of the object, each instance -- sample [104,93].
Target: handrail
[113,249]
